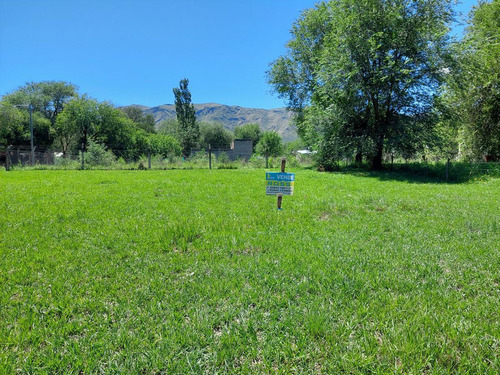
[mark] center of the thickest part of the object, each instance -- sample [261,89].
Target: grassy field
[197,272]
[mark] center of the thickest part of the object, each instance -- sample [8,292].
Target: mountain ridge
[276,119]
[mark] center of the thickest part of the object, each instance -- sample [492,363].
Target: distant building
[305,152]
[240,149]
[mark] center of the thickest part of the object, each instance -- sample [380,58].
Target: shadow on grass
[426,173]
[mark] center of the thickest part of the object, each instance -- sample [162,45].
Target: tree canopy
[47,97]
[359,74]
[47,100]
[79,122]
[270,144]
[215,135]
[136,114]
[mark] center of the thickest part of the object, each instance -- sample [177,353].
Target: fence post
[209,157]
[447,168]
[149,157]
[83,160]
[7,159]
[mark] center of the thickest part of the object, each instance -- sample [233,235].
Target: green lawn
[195,271]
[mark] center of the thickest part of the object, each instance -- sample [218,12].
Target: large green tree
[47,97]
[360,73]
[270,144]
[215,135]
[164,145]
[47,100]
[85,119]
[188,127]
[78,123]
[473,90]
[116,130]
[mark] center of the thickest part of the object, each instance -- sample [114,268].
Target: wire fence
[22,157]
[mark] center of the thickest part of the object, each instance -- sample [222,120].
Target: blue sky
[136,51]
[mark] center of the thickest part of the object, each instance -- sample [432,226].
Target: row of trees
[67,121]
[64,120]
[371,77]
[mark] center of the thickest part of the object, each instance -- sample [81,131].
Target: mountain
[278,119]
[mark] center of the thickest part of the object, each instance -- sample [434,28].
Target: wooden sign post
[280,196]
[280,183]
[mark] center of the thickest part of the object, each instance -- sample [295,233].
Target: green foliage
[144,122]
[115,130]
[64,120]
[249,131]
[47,100]
[15,127]
[98,155]
[293,146]
[368,69]
[270,144]
[473,91]
[12,130]
[189,131]
[215,135]
[85,119]
[223,158]
[164,145]
[448,140]
[78,123]
[413,135]
[47,97]
[183,272]
[170,127]
[256,161]
[67,163]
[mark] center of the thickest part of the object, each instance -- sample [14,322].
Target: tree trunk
[377,159]
[359,157]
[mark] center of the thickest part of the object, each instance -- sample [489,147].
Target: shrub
[98,155]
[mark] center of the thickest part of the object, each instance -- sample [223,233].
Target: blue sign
[279,183]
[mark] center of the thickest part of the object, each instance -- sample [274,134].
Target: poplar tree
[189,131]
